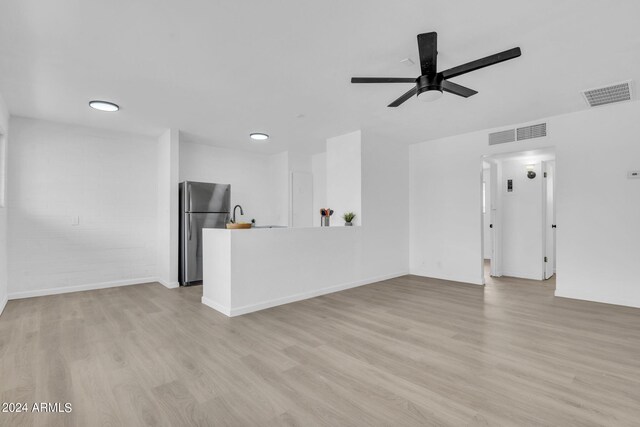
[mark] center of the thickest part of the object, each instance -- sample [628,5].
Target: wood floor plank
[406,351]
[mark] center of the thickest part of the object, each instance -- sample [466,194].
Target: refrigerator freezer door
[206,197]
[193,225]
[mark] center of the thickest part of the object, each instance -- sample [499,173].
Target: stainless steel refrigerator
[202,205]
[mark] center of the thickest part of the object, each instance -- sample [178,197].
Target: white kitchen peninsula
[250,270]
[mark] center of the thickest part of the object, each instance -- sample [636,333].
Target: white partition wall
[250,270]
[319,170]
[301,202]
[344,176]
[168,171]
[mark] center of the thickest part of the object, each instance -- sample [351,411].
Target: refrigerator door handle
[189,227]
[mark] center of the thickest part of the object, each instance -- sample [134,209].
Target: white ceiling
[218,70]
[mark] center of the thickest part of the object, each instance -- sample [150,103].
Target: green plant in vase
[348,218]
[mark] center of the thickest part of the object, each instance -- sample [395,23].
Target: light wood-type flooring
[403,352]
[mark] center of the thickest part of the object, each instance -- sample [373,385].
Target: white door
[301,199]
[548,169]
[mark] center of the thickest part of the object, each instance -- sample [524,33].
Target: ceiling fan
[430,85]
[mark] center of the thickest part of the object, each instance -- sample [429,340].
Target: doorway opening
[518,215]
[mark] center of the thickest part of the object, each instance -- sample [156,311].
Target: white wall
[301,201]
[344,176]
[259,183]
[4,133]
[300,187]
[106,179]
[445,214]
[486,217]
[277,189]
[256,180]
[522,211]
[299,162]
[168,179]
[597,207]
[385,206]
[319,170]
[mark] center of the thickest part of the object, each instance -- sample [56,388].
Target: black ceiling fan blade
[481,63]
[411,92]
[456,89]
[383,80]
[428,48]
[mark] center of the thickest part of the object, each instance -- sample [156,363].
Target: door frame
[494,206]
[496,218]
[497,193]
[546,222]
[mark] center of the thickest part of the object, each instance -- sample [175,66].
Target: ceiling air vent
[534,131]
[608,95]
[502,137]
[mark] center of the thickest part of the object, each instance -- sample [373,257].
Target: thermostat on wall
[633,174]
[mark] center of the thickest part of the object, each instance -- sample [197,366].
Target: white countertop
[285,228]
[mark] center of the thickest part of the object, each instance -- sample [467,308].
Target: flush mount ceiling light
[259,136]
[104,106]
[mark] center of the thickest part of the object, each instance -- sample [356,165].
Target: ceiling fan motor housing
[429,82]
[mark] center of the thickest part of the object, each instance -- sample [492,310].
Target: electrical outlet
[633,174]
[75,220]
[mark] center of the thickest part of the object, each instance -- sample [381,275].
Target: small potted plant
[348,218]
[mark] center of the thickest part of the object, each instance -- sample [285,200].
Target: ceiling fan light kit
[429,88]
[431,84]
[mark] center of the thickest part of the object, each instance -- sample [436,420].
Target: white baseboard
[521,275]
[217,307]
[3,304]
[461,279]
[78,288]
[306,295]
[168,285]
[604,300]
[232,312]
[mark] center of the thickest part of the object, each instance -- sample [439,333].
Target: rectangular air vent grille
[608,95]
[502,137]
[529,132]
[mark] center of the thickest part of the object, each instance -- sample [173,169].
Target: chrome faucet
[233,220]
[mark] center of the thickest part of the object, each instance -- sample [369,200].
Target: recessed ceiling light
[104,106]
[257,136]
